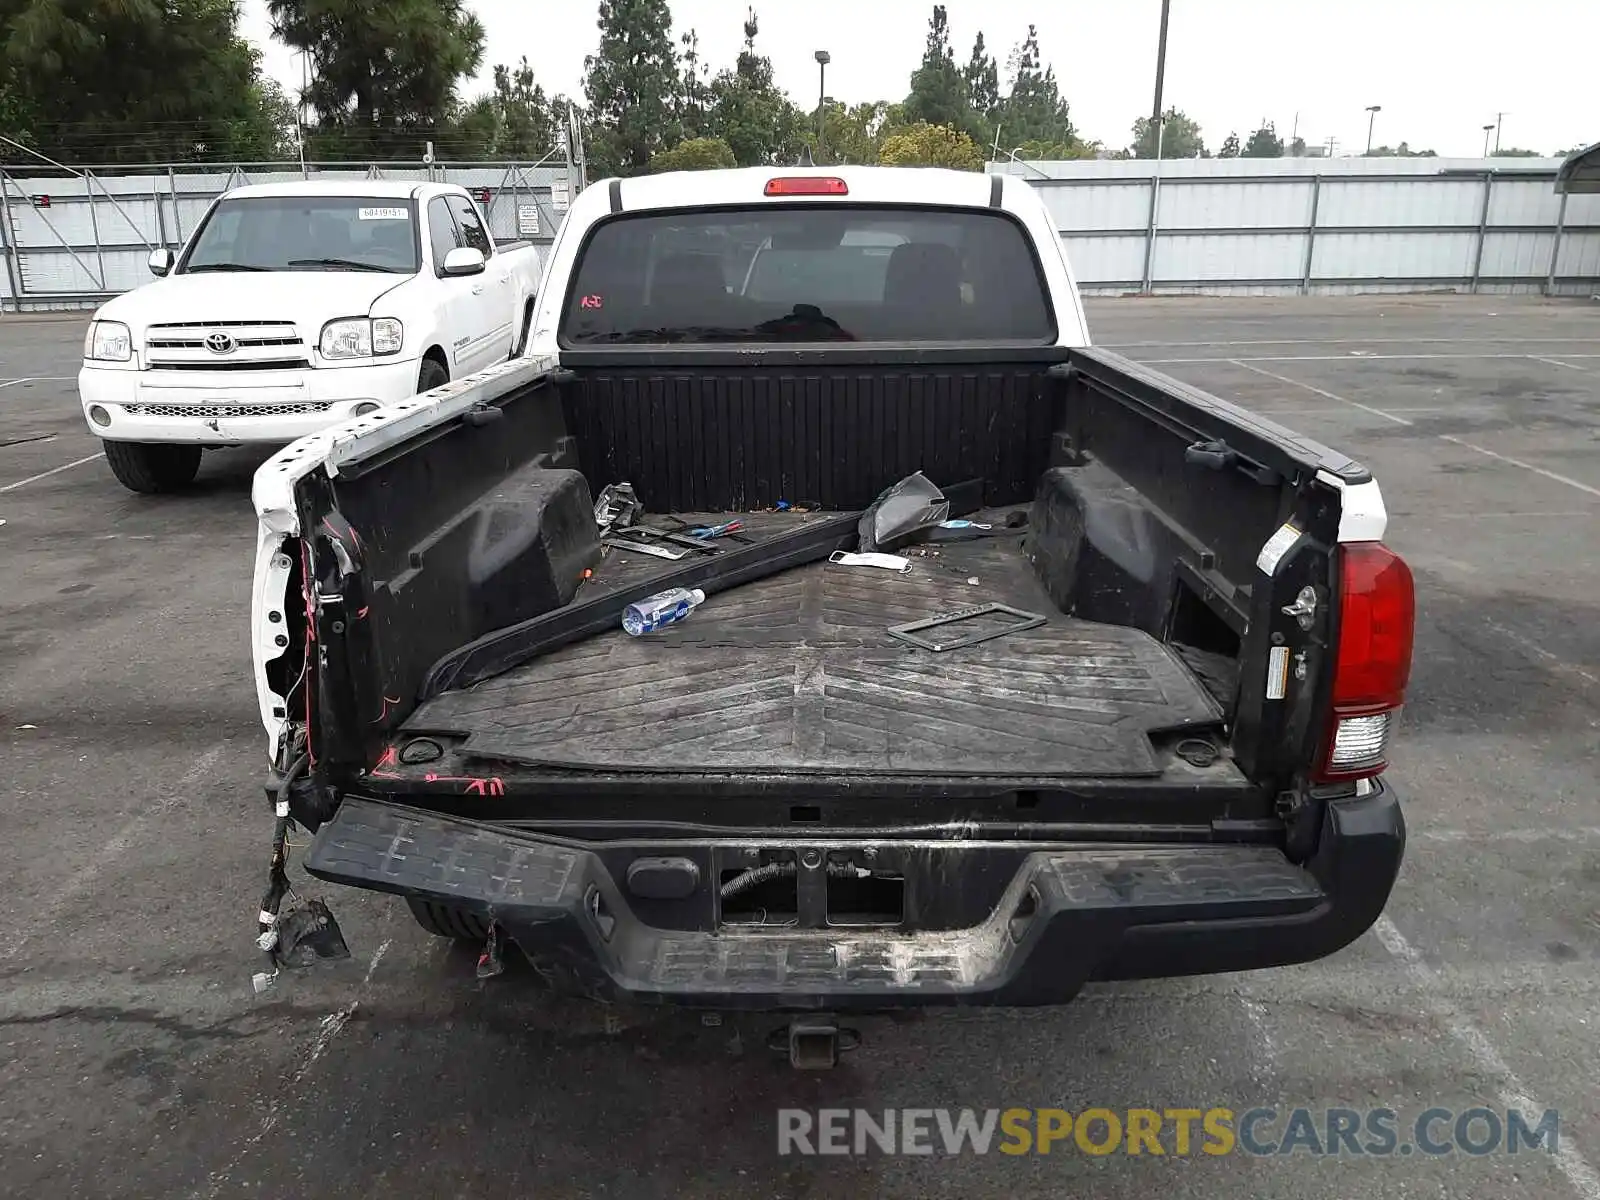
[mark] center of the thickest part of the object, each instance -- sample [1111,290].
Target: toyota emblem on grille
[220,343]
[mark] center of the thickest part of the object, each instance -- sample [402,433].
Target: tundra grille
[225,346]
[228,410]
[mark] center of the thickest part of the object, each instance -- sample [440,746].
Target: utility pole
[1157,126]
[1498,117]
[1156,120]
[1372,114]
[1487,130]
[823,59]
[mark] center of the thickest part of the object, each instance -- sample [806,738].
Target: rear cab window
[808,273]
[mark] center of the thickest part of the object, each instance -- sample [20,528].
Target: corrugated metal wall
[70,241]
[1262,226]
[1297,225]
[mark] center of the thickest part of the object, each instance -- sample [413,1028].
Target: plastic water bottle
[654,612]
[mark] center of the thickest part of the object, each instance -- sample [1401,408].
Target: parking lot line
[1513,1094]
[1388,416]
[1381,341]
[1348,357]
[11,487]
[12,382]
[1377,412]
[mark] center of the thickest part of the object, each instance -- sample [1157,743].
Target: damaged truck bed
[796,674]
[1171,764]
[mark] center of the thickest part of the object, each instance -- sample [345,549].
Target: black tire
[521,342]
[152,467]
[443,921]
[433,374]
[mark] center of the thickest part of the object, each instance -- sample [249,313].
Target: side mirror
[464,260]
[161,261]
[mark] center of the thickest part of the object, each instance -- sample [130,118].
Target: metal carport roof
[1581,171]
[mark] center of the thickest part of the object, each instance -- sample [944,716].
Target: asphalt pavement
[136,1062]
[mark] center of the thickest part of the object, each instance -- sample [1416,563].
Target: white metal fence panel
[1264,226]
[1271,226]
[72,240]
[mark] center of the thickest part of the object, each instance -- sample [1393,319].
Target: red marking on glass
[592,302]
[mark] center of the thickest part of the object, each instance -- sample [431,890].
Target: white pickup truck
[1154,745]
[294,307]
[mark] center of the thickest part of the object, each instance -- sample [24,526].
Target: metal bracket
[907,633]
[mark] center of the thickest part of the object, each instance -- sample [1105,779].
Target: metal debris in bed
[908,633]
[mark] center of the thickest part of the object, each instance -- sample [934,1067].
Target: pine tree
[632,81]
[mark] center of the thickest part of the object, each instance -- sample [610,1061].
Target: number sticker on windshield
[381,214]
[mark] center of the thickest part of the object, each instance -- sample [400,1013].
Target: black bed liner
[795,674]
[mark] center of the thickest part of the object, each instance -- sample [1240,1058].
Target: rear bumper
[215,408]
[1088,913]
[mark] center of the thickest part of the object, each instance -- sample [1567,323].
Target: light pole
[1372,114]
[1161,70]
[1487,130]
[1498,117]
[823,59]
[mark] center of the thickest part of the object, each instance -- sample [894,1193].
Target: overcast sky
[1441,69]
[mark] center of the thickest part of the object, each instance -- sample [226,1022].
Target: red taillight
[1377,613]
[807,185]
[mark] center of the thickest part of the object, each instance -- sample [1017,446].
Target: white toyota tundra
[293,307]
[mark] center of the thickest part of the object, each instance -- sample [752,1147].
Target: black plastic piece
[307,935]
[996,189]
[481,414]
[674,878]
[1214,454]
[614,194]
[506,648]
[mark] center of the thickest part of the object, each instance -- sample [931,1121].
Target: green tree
[695,154]
[98,81]
[1516,152]
[516,120]
[1230,147]
[1033,110]
[1180,137]
[1403,150]
[383,76]
[1264,143]
[1040,151]
[751,113]
[694,98]
[982,77]
[938,87]
[855,133]
[632,82]
[924,145]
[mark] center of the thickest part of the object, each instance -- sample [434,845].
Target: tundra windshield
[808,274]
[308,233]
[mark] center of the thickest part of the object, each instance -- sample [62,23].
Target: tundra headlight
[361,337]
[107,341]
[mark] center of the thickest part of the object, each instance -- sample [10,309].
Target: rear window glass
[817,274]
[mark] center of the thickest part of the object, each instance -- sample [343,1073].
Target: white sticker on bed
[1277,546]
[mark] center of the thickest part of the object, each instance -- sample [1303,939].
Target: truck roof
[397,189]
[744,185]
